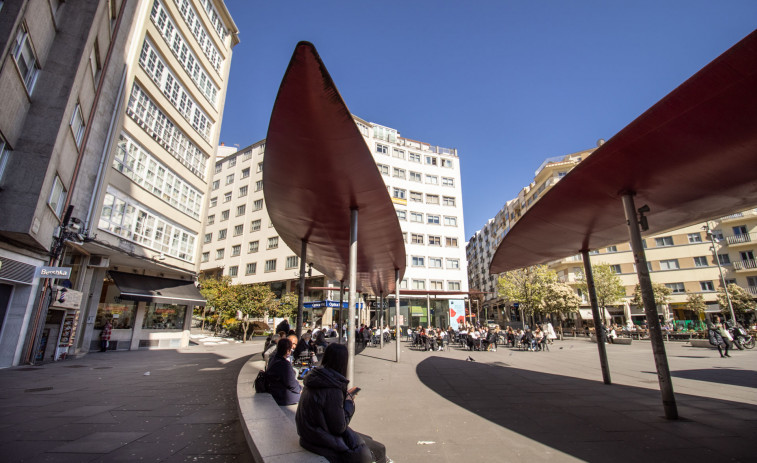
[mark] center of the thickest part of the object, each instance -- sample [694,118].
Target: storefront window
[121,314]
[164,317]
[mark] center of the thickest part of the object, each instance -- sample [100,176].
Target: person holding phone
[325,410]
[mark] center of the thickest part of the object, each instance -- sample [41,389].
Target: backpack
[261,384]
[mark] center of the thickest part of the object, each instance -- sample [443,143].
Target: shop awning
[155,289]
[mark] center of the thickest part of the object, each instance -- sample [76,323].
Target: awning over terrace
[157,290]
[317,168]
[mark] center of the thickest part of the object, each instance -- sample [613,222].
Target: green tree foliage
[236,302]
[286,307]
[560,299]
[661,295]
[527,286]
[252,301]
[607,284]
[695,303]
[742,301]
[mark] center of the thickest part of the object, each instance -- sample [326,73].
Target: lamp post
[713,240]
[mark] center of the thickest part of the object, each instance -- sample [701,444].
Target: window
[612,249]
[724,259]
[615,268]
[418,261]
[448,181]
[23,53]
[260,167]
[435,285]
[446,162]
[225,215]
[222,234]
[397,153]
[670,264]
[270,265]
[695,237]
[451,242]
[434,240]
[251,268]
[255,225]
[431,160]
[216,184]
[211,219]
[434,262]
[740,230]
[414,157]
[432,179]
[233,271]
[384,169]
[419,284]
[453,285]
[238,230]
[57,196]
[416,238]
[399,193]
[398,173]
[77,125]
[403,284]
[236,250]
[707,286]
[94,61]
[415,176]
[230,179]
[382,149]
[219,167]
[700,261]
[241,209]
[259,185]
[205,256]
[219,254]
[227,197]
[404,237]
[253,246]
[257,205]
[292,262]
[432,219]
[208,238]
[432,199]
[401,215]
[4,156]
[663,241]
[273,242]
[450,221]
[245,172]
[448,201]
[416,217]
[453,263]
[232,162]
[213,201]
[751,282]
[416,197]
[243,191]
[678,288]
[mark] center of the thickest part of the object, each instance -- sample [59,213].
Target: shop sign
[53,272]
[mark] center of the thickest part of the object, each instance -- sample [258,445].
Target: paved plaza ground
[505,406]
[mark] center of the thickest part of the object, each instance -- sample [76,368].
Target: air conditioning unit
[99,262]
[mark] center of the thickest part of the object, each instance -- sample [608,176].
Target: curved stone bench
[269,429]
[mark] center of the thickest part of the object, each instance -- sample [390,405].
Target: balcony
[749,265]
[739,216]
[745,238]
[752,290]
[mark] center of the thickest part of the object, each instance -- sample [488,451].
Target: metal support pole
[595,315]
[647,295]
[711,236]
[301,290]
[341,315]
[397,310]
[351,299]
[380,319]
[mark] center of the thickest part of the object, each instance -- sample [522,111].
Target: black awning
[155,289]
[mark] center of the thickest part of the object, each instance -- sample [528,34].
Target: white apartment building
[424,183]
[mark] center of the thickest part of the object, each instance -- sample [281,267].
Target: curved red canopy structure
[690,158]
[317,168]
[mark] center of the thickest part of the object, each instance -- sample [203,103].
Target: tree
[695,303]
[217,293]
[285,307]
[661,295]
[560,298]
[740,299]
[527,287]
[251,301]
[607,285]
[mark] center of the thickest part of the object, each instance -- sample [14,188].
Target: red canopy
[690,158]
[317,167]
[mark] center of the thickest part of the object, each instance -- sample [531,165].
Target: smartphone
[354,391]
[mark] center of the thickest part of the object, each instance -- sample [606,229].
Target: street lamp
[713,240]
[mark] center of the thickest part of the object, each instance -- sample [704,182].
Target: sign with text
[53,272]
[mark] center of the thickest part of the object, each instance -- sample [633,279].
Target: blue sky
[507,83]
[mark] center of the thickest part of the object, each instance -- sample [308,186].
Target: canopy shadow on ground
[724,375]
[590,420]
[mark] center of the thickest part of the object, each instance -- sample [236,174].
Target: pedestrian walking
[105,336]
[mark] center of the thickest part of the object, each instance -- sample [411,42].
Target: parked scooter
[741,337]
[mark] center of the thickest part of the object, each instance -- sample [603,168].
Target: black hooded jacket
[324,414]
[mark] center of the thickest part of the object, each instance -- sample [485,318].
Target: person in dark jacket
[282,382]
[325,410]
[283,326]
[716,337]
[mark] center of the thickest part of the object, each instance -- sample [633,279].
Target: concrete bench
[626,341]
[269,429]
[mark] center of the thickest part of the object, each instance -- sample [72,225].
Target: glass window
[695,237]
[205,256]
[615,268]
[241,209]
[238,230]
[255,225]
[227,197]
[416,217]
[446,162]
[216,184]
[77,125]
[398,153]
[678,288]
[399,193]
[664,241]
[253,246]
[434,240]
[398,173]
[213,201]
[432,179]
[230,179]
[450,221]
[432,219]
[270,265]
[260,167]
[434,262]
[670,264]
[416,197]
[401,215]
[419,284]
[432,199]
[232,162]
[451,242]
[208,237]
[416,238]
[251,268]
[259,185]
[431,160]
[384,169]
[219,167]
[707,286]
[700,261]
[225,215]
[292,262]
[211,219]
[448,181]
[245,172]
[418,261]
[243,191]
[273,242]
[415,176]
[453,263]
[257,205]
[382,149]
[449,201]
[612,249]
[436,285]
[4,156]
[219,254]
[23,53]
[222,234]
[233,271]
[724,259]
[164,316]
[120,314]
[57,196]
[453,285]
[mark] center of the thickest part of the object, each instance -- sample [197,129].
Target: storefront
[145,312]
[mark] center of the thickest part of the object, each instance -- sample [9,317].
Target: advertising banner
[456,312]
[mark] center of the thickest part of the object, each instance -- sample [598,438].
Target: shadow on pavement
[592,421]
[736,377]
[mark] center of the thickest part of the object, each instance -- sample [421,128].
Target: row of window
[198,30]
[417,197]
[413,157]
[242,193]
[251,268]
[183,53]
[432,240]
[434,285]
[147,115]
[241,209]
[699,261]
[215,19]
[5,153]
[431,219]
[136,163]
[125,217]
[173,90]
[434,262]
[415,176]
[230,177]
